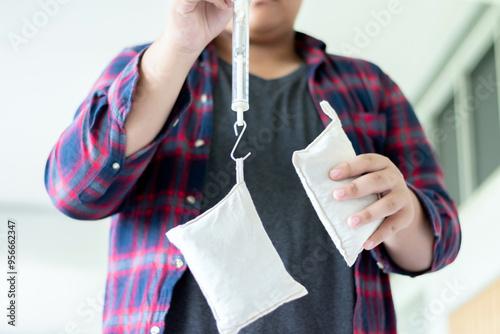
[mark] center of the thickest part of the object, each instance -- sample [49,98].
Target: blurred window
[448,149]
[486,117]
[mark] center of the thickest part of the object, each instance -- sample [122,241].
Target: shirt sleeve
[87,175]
[409,149]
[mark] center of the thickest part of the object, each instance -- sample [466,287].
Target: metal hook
[238,140]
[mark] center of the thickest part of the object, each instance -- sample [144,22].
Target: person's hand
[377,175]
[192,24]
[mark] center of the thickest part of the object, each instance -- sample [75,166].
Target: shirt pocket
[367,131]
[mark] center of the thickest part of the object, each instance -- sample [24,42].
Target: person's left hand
[382,177]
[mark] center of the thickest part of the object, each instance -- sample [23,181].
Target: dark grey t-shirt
[282,119]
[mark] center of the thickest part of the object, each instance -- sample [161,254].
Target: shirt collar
[312,50]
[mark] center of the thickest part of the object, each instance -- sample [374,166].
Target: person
[150,147]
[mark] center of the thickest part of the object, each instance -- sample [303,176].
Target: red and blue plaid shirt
[88,177]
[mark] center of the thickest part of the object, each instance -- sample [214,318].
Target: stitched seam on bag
[214,207]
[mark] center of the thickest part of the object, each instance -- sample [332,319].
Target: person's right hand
[192,24]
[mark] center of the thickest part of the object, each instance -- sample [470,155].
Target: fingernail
[354,221]
[369,245]
[339,193]
[335,173]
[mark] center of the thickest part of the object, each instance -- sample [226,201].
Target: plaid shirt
[88,177]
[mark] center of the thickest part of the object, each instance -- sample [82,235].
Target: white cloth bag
[234,262]
[331,148]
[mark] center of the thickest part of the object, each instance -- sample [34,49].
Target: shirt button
[175,122]
[155,330]
[204,98]
[179,263]
[380,265]
[116,166]
[191,200]
[199,143]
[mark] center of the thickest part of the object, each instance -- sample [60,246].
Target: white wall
[63,262]
[62,267]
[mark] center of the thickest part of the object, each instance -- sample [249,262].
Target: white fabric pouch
[234,262]
[331,148]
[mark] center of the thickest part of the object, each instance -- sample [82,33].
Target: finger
[384,207]
[371,183]
[364,163]
[389,226]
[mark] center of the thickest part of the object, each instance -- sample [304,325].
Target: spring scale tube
[241,41]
